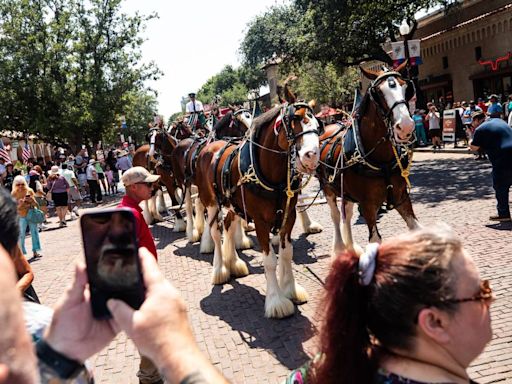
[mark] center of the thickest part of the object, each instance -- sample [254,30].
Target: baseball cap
[138,175]
[476,114]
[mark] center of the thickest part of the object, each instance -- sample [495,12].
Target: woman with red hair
[411,310]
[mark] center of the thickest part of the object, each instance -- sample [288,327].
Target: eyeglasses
[484,294]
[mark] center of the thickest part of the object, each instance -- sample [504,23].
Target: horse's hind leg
[148,218]
[405,210]
[220,273]
[291,289]
[309,226]
[346,232]
[277,305]
[337,245]
[370,216]
[192,234]
[242,241]
[199,222]
[236,265]
[179,223]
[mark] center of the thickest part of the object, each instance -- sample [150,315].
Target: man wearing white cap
[92,180]
[138,183]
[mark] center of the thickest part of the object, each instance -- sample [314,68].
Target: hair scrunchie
[367,263]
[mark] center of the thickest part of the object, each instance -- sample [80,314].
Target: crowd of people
[60,185]
[429,123]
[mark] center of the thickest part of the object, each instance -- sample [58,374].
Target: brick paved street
[228,320]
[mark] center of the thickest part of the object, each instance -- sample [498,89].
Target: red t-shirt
[144,236]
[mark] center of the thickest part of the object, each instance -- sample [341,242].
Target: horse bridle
[290,116]
[375,93]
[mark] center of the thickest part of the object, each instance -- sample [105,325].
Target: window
[478,53]
[445,62]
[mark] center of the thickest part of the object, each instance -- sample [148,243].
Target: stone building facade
[467,52]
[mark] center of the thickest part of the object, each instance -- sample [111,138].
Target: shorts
[60,199]
[435,132]
[101,176]
[74,194]
[82,179]
[116,176]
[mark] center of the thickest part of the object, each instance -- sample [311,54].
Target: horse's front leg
[192,233]
[277,305]
[220,273]
[290,287]
[337,245]
[405,210]
[346,232]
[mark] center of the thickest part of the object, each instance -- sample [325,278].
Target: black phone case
[99,297]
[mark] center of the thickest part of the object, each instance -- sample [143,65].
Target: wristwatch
[64,367]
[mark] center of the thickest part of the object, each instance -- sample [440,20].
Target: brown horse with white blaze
[371,158]
[259,179]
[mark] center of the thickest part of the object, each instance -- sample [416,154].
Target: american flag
[4,154]
[26,154]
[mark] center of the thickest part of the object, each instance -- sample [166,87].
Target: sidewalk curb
[462,151]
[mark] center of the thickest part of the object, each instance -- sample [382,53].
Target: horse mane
[264,119]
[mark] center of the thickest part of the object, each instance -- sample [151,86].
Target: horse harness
[253,178]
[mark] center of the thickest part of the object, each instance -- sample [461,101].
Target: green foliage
[67,67]
[232,85]
[276,33]
[347,32]
[342,32]
[326,84]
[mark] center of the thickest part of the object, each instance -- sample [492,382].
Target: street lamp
[404,28]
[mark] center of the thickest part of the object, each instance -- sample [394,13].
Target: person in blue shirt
[419,127]
[495,109]
[495,137]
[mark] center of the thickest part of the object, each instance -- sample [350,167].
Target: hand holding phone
[111,255]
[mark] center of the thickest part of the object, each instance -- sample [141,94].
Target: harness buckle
[289,193]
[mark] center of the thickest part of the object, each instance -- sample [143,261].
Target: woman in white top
[434,126]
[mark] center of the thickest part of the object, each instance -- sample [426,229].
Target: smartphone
[111,255]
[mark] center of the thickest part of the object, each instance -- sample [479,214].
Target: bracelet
[63,366]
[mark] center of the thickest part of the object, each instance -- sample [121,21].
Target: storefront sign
[496,63]
[449,124]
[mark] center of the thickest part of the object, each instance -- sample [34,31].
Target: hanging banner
[414,52]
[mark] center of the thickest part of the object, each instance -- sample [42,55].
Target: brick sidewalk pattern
[228,320]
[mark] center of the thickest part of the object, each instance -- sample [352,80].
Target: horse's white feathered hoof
[277,307]
[239,268]
[244,243]
[314,227]
[296,293]
[220,275]
[207,245]
[193,236]
[179,225]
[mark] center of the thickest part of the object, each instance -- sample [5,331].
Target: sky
[192,41]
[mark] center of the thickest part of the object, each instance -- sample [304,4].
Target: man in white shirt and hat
[92,180]
[194,109]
